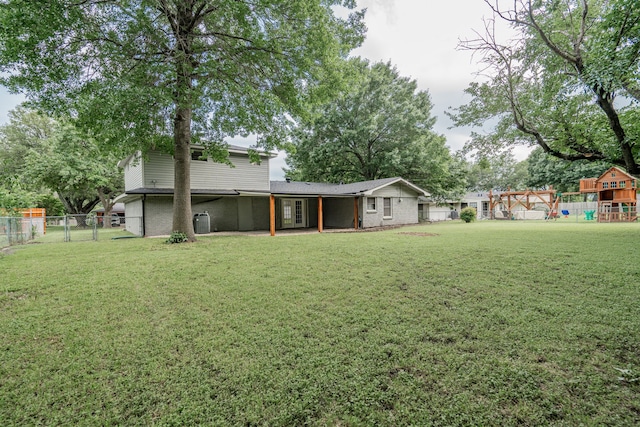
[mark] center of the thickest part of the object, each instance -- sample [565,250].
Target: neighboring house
[241,198]
[117,214]
[429,210]
[478,200]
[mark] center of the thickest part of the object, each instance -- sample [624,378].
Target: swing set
[524,204]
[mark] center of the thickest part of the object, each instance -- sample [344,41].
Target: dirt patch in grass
[6,251]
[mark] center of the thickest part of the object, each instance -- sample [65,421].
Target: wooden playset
[524,203]
[617,195]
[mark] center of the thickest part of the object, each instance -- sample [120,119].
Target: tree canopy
[497,172]
[568,81]
[545,170]
[41,157]
[73,166]
[379,126]
[167,73]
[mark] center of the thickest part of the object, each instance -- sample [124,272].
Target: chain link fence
[68,228]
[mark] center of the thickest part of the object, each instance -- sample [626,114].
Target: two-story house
[241,198]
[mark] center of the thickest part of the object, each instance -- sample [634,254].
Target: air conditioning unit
[201,223]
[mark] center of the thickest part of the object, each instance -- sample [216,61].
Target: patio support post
[272,215]
[320,220]
[355,213]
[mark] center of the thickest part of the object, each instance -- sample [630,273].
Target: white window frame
[384,208]
[374,204]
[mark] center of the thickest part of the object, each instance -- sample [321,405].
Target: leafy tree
[167,73]
[546,170]
[41,157]
[13,197]
[556,83]
[380,126]
[26,130]
[497,172]
[73,166]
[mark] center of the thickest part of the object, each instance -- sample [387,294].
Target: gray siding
[243,176]
[133,172]
[159,169]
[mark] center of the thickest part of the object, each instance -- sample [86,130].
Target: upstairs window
[605,184]
[623,184]
[198,155]
[614,184]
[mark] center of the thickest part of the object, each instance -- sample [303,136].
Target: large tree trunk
[182,221]
[182,23]
[107,204]
[77,206]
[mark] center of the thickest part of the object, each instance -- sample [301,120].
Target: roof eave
[395,181]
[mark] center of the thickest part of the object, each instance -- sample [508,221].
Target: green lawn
[55,234]
[489,323]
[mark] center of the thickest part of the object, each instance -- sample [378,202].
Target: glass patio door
[294,213]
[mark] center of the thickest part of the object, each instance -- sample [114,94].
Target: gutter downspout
[144,200]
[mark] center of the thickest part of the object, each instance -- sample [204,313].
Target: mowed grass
[56,234]
[490,323]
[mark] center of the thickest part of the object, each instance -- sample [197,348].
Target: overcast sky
[420,38]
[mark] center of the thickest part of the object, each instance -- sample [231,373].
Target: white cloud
[421,37]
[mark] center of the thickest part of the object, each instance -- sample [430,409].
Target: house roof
[363,188]
[232,149]
[617,170]
[193,191]
[136,193]
[116,208]
[291,188]
[244,150]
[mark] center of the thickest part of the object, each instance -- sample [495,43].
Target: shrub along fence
[68,228]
